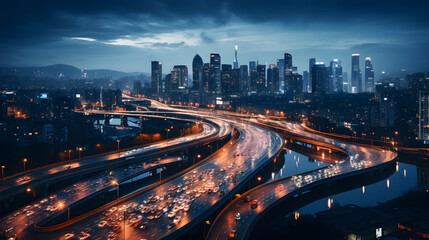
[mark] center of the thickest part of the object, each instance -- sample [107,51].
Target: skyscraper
[305,81]
[270,79]
[311,62]
[276,80]
[369,75]
[319,83]
[197,73]
[214,80]
[179,78]
[356,80]
[281,66]
[235,81]
[156,77]
[424,116]
[260,80]
[335,76]
[244,80]
[206,78]
[287,70]
[296,85]
[226,79]
[236,58]
[252,66]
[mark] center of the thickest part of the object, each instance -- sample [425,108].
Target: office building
[236,58]
[244,80]
[197,73]
[320,78]
[156,77]
[356,78]
[335,76]
[214,82]
[369,75]
[287,70]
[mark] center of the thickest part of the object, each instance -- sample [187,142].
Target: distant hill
[62,71]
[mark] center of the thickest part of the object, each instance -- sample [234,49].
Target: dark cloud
[170,45]
[30,27]
[206,39]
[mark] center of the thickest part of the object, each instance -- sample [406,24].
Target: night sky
[127,35]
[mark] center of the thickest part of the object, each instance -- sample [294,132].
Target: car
[171,214]
[144,225]
[222,193]
[171,225]
[68,235]
[254,204]
[237,216]
[85,236]
[177,219]
[232,235]
[102,224]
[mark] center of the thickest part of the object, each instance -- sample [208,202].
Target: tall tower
[369,75]
[197,73]
[156,77]
[311,62]
[235,58]
[320,84]
[214,82]
[356,79]
[335,76]
[288,71]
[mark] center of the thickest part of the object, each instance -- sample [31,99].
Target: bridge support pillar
[107,120]
[124,121]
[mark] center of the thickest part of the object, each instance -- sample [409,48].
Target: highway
[30,177]
[16,222]
[360,158]
[189,196]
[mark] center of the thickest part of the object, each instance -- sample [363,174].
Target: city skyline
[125,38]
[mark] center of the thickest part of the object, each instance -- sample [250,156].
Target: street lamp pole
[118,145]
[2,168]
[25,161]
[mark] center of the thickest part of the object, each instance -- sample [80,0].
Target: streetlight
[69,154]
[61,205]
[117,189]
[198,156]
[118,145]
[2,167]
[80,150]
[25,161]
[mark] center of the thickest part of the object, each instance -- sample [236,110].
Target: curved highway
[16,222]
[187,198]
[268,195]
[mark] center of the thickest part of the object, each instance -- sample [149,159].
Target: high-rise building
[335,76]
[179,80]
[236,58]
[356,80]
[369,75]
[156,77]
[252,66]
[214,82]
[305,81]
[226,79]
[260,80]
[320,84]
[417,81]
[197,73]
[206,78]
[235,83]
[276,80]
[287,70]
[346,82]
[296,84]
[270,80]
[281,66]
[244,80]
[424,116]
[311,62]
